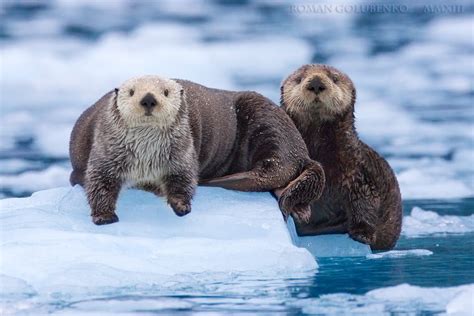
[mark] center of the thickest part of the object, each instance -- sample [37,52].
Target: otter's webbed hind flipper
[296,197]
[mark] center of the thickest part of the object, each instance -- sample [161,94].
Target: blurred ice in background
[413,71]
[411,62]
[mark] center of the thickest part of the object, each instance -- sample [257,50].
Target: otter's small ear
[116,90]
[181,91]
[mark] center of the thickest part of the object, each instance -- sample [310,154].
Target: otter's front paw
[179,207]
[105,218]
[363,233]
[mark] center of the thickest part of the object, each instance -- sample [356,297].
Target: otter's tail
[296,197]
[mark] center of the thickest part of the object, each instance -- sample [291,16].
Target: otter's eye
[298,79]
[131,92]
[166,92]
[334,77]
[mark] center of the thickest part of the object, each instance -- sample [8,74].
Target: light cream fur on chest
[148,155]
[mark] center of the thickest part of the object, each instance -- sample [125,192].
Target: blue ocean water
[413,68]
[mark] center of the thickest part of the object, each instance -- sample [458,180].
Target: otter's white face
[149,100]
[319,89]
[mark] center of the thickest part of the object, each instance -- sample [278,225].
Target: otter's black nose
[148,101]
[316,85]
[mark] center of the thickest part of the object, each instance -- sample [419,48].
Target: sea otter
[361,196]
[167,135]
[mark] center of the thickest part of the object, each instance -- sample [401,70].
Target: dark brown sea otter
[165,136]
[361,196]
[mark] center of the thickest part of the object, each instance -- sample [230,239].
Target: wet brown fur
[361,196]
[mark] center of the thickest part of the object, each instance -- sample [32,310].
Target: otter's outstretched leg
[294,199]
[242,181]
[179,190]
[102,190]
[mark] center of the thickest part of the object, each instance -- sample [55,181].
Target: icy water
[414,73]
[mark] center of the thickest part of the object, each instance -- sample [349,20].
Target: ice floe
[49,245]
[421,222]
[31,181]
[223,52]
[403,298]
[419,184]
[400,254]
[339,245]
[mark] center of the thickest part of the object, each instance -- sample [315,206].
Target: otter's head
[149,100]
[320,91]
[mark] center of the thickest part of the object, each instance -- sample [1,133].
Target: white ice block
[50,244]
[338,245]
